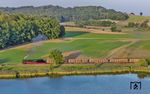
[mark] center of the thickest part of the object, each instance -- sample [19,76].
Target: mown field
[88,47]
[93,45]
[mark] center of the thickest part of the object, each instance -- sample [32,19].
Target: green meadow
[89,44]
[95,47]
[85,35]
[143,44]
[136,18]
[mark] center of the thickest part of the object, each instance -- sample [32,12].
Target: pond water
[100,84]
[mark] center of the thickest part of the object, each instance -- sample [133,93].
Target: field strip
[115,53]
[98,31]
[29,45]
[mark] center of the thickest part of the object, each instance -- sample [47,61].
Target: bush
[145,62]
[132,24]
[144,24]
[57,56]
[114,28]
[62,31]
[141,26]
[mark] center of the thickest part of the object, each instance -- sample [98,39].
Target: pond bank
[58,74]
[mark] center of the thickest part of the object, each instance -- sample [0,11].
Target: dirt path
[120,51]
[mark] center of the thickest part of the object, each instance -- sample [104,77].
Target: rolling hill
[69,14]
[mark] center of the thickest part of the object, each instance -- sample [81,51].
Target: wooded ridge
[70,14]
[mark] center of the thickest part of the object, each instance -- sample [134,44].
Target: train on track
[102,60]
[35,61]
[83,61]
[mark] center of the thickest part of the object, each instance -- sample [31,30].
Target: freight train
[83,61]
[99,61]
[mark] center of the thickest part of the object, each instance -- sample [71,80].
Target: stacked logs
[100,61]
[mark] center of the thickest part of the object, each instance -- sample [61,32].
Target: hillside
[137,18]
[70,14]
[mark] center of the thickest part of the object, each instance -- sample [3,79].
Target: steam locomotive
[35,61]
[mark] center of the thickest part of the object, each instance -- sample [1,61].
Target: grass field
[145,45]
[136,18]
[89,44]
[98,36]
[92,48]
[94,45]
[131,35]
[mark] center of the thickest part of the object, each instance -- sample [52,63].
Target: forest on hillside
[22,24]
[17,28]
[70,14]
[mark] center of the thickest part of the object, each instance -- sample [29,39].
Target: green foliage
[95,23]
[89,47]
[140,26]
[48,27]
[70,14]
[145,62]
[115,28]
[132,24]
[62,31]
[16,28]
[57,56]
[144,24]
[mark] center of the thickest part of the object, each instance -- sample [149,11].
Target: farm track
[113,53]
[120,51]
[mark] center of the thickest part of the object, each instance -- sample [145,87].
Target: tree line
[17,28]
[70,14]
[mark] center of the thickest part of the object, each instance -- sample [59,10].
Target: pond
[99,84]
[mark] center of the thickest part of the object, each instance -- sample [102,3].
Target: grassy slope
[88,47]
[102,44]
[99,36]
[136,18]
[99,46]
[145,45]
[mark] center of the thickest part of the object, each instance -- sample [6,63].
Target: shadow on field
[73,55]
[75,34]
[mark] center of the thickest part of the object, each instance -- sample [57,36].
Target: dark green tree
[141,13]
[62,31]
[115,28]
[17,28]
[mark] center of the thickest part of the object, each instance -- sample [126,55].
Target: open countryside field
[89,44]
[88,47]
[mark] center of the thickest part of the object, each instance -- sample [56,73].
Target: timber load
[100,61]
